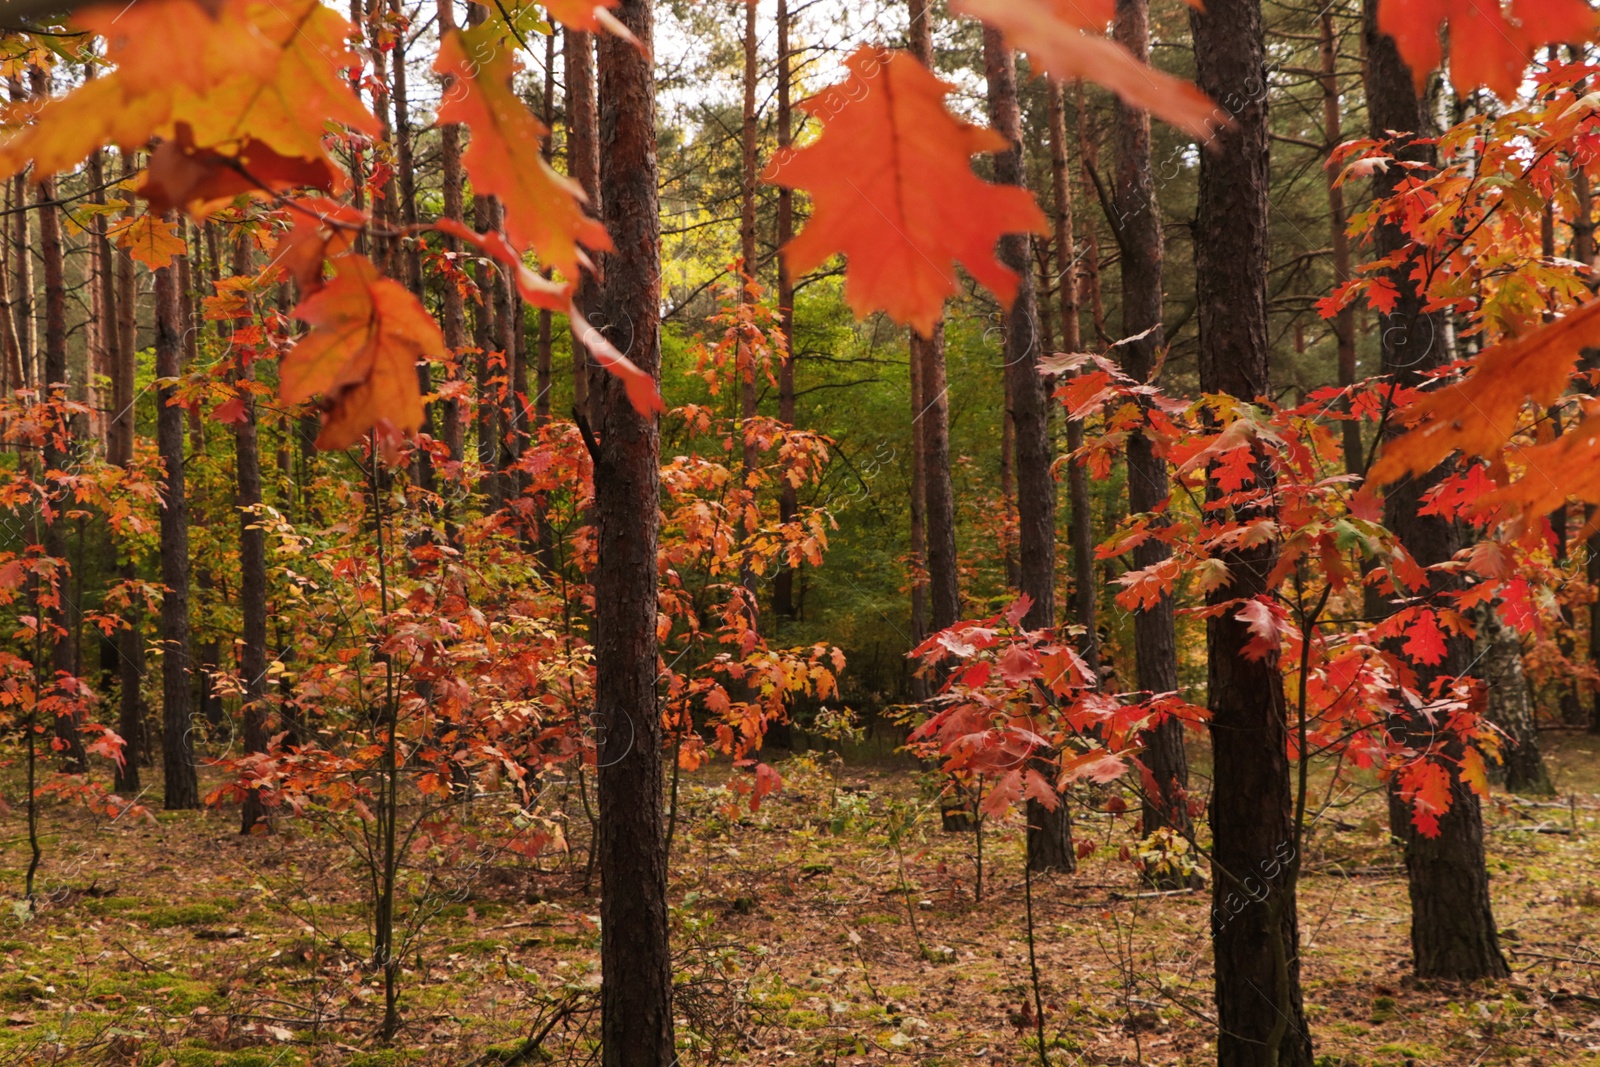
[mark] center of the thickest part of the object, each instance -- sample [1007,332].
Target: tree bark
[748,255]
[58,457]
[252,565]
[932,422]
[453,318]
[635,953]
[130,639]
[1510,707]
[1137,226]
[784,604]
[177,738]
[1453,932]
[1036,497]
[583,166]
[1344,323]
[1254,920]
[1081,522]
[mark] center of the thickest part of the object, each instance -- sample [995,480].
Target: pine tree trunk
[1453,933]
[784,604]
[58,456]
[130,639]
[1036,496]
[933,423]
[1081,523]
[177,735]
[1089,150]
[1137,226]
[583,166]
[748,267]
[636,958]
[1344,323]
[1510,707]
[252,568]
[453,318]
[1255,926]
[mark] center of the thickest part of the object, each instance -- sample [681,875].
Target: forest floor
[836,926]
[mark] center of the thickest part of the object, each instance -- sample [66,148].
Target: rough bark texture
[1036,496]
[252,570]
[1510,707]
[1136,222]
[453,318]
[636,959]
[58,457]
[583,164]
[177,740]
[1254,924]
[1344,323]
[1081,523]
[933,424]
[1452,922]
[784,602]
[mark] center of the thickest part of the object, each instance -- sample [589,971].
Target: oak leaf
[233,71]
[893,190]
[544,211]
[586,16]
[1480,414]
[150,239]
[1065,39]
[1489,45]
[184,177]
[367,335]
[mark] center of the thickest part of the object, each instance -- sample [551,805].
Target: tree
[635,952]
[1136,223]
[177,732]
[1453,932]
[1261,1020]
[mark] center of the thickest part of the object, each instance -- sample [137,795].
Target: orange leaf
[1487,46]
[893,189]
[322,227]
[1065,39]
[641,386]
[234,71]
[535,289]
[544,210]
[586,16]
[150,239]
[201,180]
[1479,414]
[367,335]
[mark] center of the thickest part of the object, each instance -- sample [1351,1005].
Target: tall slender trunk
[784,604]
[748,267]
[635,953]
[130,639]
[933,421]
[1260,1015]
[1089,151]
[252,565]
[583,166]
[541,403]
[410,252]
[1344,323]
[1081,524]
[453,318]
[1583,250]
[1453,932]
[58,456]
[921,40]
[177,739]
[1137,226]
[488,339]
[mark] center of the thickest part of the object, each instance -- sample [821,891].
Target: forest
[660,533]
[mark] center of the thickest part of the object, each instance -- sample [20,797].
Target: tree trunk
[1254,919]
[1344,323]
[453,319]
[635,953]
[58,457]
[1036,496]
[583,165]
[1137,225]
[1089,149]
[1081,523]
[1510,707]
[783,598]
[1452,922]
[252,565]
[748,266]
[933,423]
[130,639]
[177,735]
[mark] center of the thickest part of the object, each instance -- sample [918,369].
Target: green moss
[185,915]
